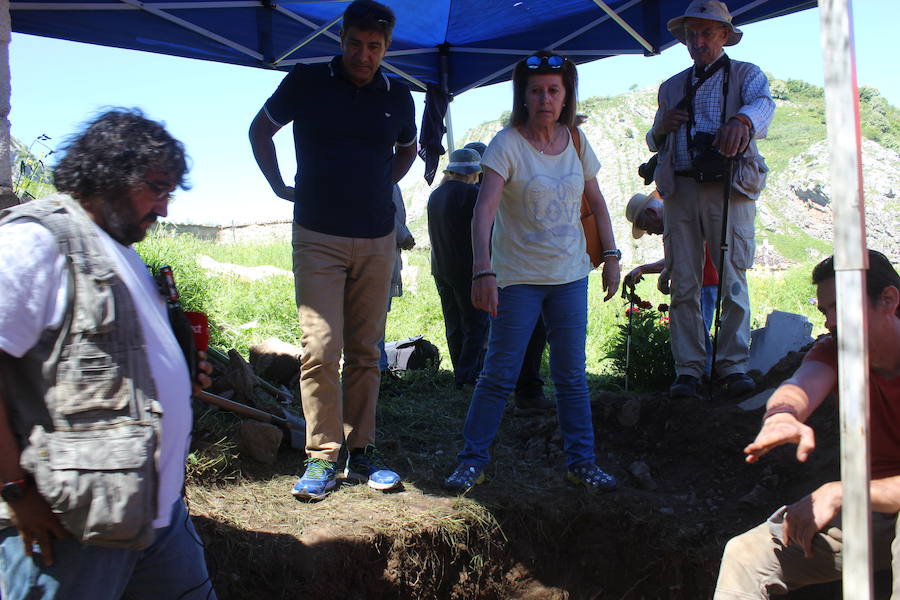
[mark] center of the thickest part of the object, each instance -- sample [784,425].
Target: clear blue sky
[56,85]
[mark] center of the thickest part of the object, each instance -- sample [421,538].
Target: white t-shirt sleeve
[590,164]
[34,284]
[499,156]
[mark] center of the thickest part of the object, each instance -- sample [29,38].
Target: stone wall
[274,231]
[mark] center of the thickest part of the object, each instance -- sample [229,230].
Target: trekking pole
[723,249]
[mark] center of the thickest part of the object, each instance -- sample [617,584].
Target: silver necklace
[549,143]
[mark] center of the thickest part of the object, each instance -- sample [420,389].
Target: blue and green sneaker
[318,480]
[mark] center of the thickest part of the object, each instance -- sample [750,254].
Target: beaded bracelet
[485,273]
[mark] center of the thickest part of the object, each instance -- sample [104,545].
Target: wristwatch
[614,253]
[14,490]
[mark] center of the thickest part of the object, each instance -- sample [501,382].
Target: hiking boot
[367,465]
[685,386]
[464,478]
[534,404]
[591,476]
[318,480]
[737,384]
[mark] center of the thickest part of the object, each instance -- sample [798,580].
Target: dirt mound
[684,491]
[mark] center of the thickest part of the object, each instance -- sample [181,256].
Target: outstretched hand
[778,430]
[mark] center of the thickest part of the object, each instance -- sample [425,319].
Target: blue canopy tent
[456,45]
[441,47]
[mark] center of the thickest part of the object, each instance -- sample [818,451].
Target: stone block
[783,333]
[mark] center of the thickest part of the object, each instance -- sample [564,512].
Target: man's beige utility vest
[750,171]
[82,401]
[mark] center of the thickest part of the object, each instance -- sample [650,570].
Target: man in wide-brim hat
[709,114]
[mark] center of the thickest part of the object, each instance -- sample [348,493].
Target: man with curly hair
[95,412]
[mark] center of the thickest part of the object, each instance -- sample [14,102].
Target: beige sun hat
[712,10]
[635,207]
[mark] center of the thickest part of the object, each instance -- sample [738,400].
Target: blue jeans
[172,567]
[564,309]
[708,295]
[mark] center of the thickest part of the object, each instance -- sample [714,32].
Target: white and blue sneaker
[367,465]
[318,480]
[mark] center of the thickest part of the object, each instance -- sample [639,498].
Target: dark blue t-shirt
[344,137]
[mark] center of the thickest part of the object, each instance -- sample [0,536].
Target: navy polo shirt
[344,137]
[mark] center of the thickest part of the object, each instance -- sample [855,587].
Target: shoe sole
[359,478]
[678,394]
[303,495]
[574,480]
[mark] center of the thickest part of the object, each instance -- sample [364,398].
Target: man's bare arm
[262,130]
[31,514]
[404,156]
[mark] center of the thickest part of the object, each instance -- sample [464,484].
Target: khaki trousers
[693,216]
[342,285]
[756,565]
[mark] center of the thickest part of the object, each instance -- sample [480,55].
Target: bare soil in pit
[525,533]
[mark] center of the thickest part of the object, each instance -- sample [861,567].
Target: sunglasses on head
[544,62]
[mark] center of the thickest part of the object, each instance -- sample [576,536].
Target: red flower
[663,307]
[630,310]
[645,304]
[664,321]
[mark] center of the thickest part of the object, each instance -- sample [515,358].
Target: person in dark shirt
[355,137]
[450,208]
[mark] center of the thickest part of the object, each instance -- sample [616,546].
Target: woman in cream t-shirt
[536,264]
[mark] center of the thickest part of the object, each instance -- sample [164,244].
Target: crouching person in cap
[802,544]
[95,412]
[708,115]
[647,215]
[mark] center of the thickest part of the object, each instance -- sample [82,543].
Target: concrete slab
[783,333]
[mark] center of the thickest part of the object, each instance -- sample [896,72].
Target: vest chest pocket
[89,379]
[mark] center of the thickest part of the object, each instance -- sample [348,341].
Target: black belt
[686,173]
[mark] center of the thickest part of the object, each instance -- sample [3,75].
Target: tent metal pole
[850,262]
[448,121]
[307,39]
[624,25]
[7,197]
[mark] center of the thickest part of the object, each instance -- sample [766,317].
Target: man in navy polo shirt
[355,136]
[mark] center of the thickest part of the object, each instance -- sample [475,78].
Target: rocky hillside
[794,219]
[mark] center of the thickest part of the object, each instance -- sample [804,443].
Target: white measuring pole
[850,262]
